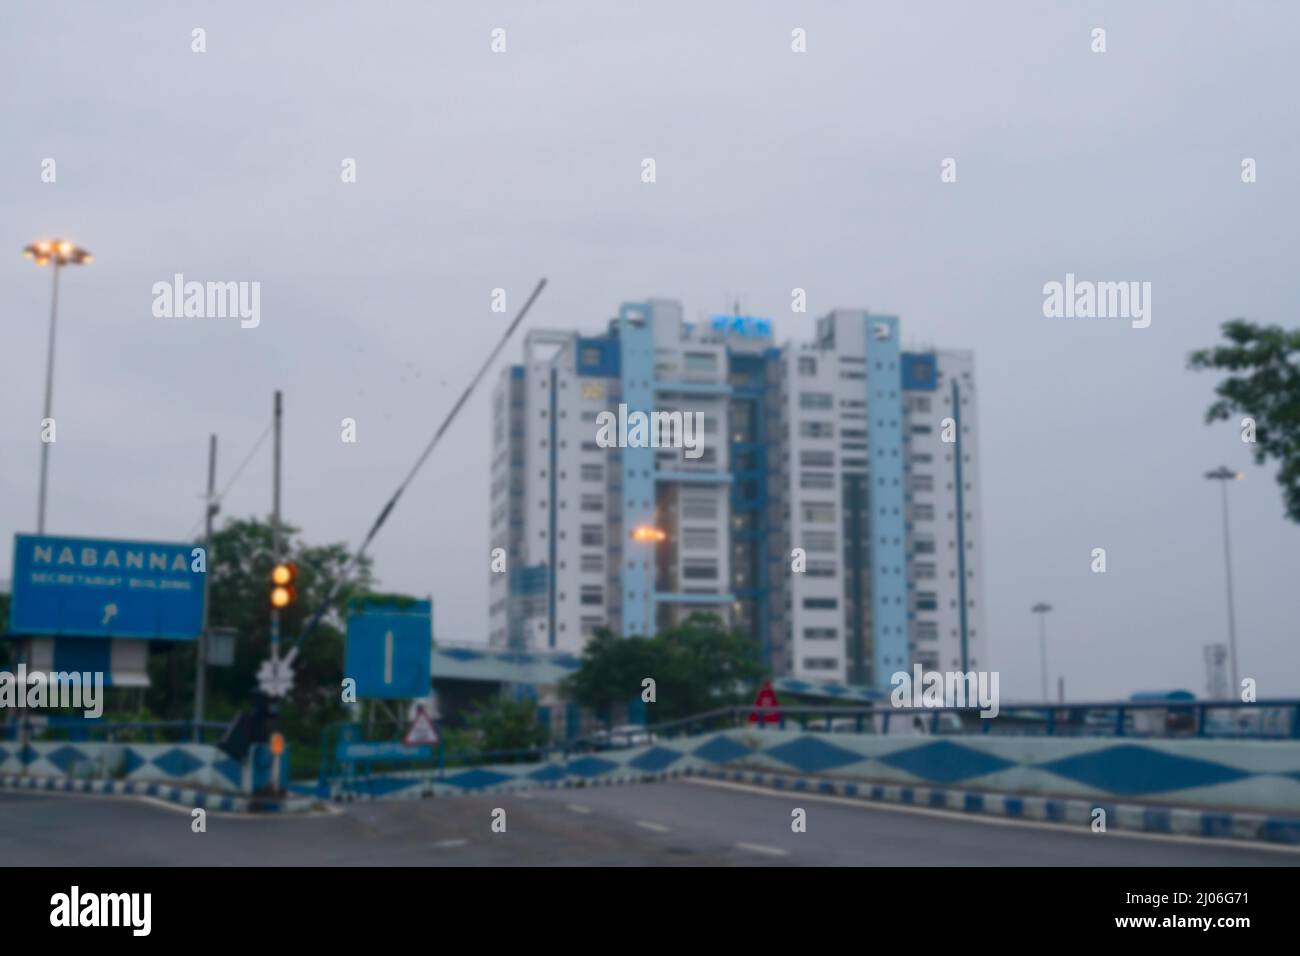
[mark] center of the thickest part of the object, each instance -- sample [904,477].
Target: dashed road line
[760,848]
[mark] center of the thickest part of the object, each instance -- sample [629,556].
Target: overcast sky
[775,170]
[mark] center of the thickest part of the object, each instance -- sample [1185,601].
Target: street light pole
[49,403]
[1041,609]
[61,253]
[210,509]
[1223,475]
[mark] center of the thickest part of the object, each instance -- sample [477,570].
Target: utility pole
[1041,609]
[276,544]
[1223,475]
[210,510]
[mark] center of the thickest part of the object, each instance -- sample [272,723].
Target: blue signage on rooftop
[744,325]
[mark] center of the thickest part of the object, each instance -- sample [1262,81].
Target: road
[664,824]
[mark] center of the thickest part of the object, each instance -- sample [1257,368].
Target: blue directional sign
[94,587]
[379,752]
[389,650]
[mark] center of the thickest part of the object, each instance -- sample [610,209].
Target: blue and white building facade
[834,446]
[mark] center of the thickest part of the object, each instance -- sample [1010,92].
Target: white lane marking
[648,825]
[323,810]
[449,844]
[578,808]
[759,848]
[995,821]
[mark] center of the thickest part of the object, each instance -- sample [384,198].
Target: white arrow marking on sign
[388,658]
[110,612]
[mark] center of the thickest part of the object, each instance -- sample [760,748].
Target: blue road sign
[350,752]
[389,650]
[94,587]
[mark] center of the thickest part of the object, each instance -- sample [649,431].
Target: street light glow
[646,532]
[62,251]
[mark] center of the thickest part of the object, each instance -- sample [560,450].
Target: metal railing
[80,730]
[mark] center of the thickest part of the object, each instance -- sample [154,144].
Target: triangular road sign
[766,698]
[422,731]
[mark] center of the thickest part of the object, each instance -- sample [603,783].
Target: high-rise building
[828,503]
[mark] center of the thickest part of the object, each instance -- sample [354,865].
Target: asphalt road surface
[662,824]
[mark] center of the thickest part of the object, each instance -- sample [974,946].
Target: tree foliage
[240,563]
[1263,362]
[505,724]
[698,665]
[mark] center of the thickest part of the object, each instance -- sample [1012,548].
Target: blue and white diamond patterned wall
[199,765]
[1243,775]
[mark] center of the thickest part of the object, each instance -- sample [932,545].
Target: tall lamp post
[60,252]
[1041,609]
[1223,475]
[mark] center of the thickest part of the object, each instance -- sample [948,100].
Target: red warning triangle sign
[422,731]
[766,698]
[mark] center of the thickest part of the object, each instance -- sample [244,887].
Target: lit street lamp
[1041,609]
[651,535]
[60,252]
[1223,475]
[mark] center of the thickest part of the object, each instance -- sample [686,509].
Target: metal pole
[201,657]
[276,544]
[49,400]
[1042,641]
[1232,616]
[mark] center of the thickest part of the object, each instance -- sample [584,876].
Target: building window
[807,365]
[820,603]
[816,480]
[922,511]
[593,536]
[820,633]
[593,502]
[700,509]
[923,482]
[696,570]
[821,542]
[926,630]
[816,429]
[821,569]
[592,595]
[700,362]
[593,563]
[814,400]
[927,601]
[923,570]
[593,472]
[700,539]
[817,459]
[817,512]
[820,664]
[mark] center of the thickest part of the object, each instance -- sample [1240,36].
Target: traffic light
[283,593]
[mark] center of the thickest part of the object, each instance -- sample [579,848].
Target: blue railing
[81,730]
[1223,719]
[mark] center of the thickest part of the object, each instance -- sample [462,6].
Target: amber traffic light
[283,592]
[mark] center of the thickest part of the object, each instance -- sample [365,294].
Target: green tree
[1263,384]
[698,665]
[505,724]
[240,565]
